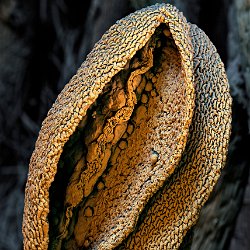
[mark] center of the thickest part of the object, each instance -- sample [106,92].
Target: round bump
[123,144]
[154,79]
[140,114]
[149,86]
[119,132]
[144,98]
[167,32]
[88,212]
[100,186]
[153,93]
[130,129]
[154,157]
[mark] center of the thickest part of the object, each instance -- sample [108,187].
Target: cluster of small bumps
[196,156]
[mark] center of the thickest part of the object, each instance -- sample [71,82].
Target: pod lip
[110,55]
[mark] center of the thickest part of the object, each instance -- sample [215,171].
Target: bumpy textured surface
[176,206]
[111,167]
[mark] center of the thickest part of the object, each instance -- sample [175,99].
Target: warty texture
[152,106]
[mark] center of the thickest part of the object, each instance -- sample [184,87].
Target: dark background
[43,42]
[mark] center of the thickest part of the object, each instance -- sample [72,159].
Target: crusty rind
[175,209]
[110,55]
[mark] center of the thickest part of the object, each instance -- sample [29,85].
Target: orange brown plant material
[135,142]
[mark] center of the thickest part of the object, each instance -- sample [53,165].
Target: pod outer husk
[176,207]
[109,56]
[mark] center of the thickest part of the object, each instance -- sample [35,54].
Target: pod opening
[122,151]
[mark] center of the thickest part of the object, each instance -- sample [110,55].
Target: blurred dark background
[42,43]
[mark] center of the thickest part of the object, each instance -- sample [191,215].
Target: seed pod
[151,76]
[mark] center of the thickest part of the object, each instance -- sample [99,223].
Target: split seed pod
[135,142]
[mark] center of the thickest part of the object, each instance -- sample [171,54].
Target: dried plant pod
[116,163]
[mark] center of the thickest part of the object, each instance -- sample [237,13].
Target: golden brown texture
[136,166]
[132,103]
[176,206]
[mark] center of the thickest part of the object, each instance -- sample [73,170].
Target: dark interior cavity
[66,204]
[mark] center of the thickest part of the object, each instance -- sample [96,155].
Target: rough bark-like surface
[154,43]
[60,44]
[216,227]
